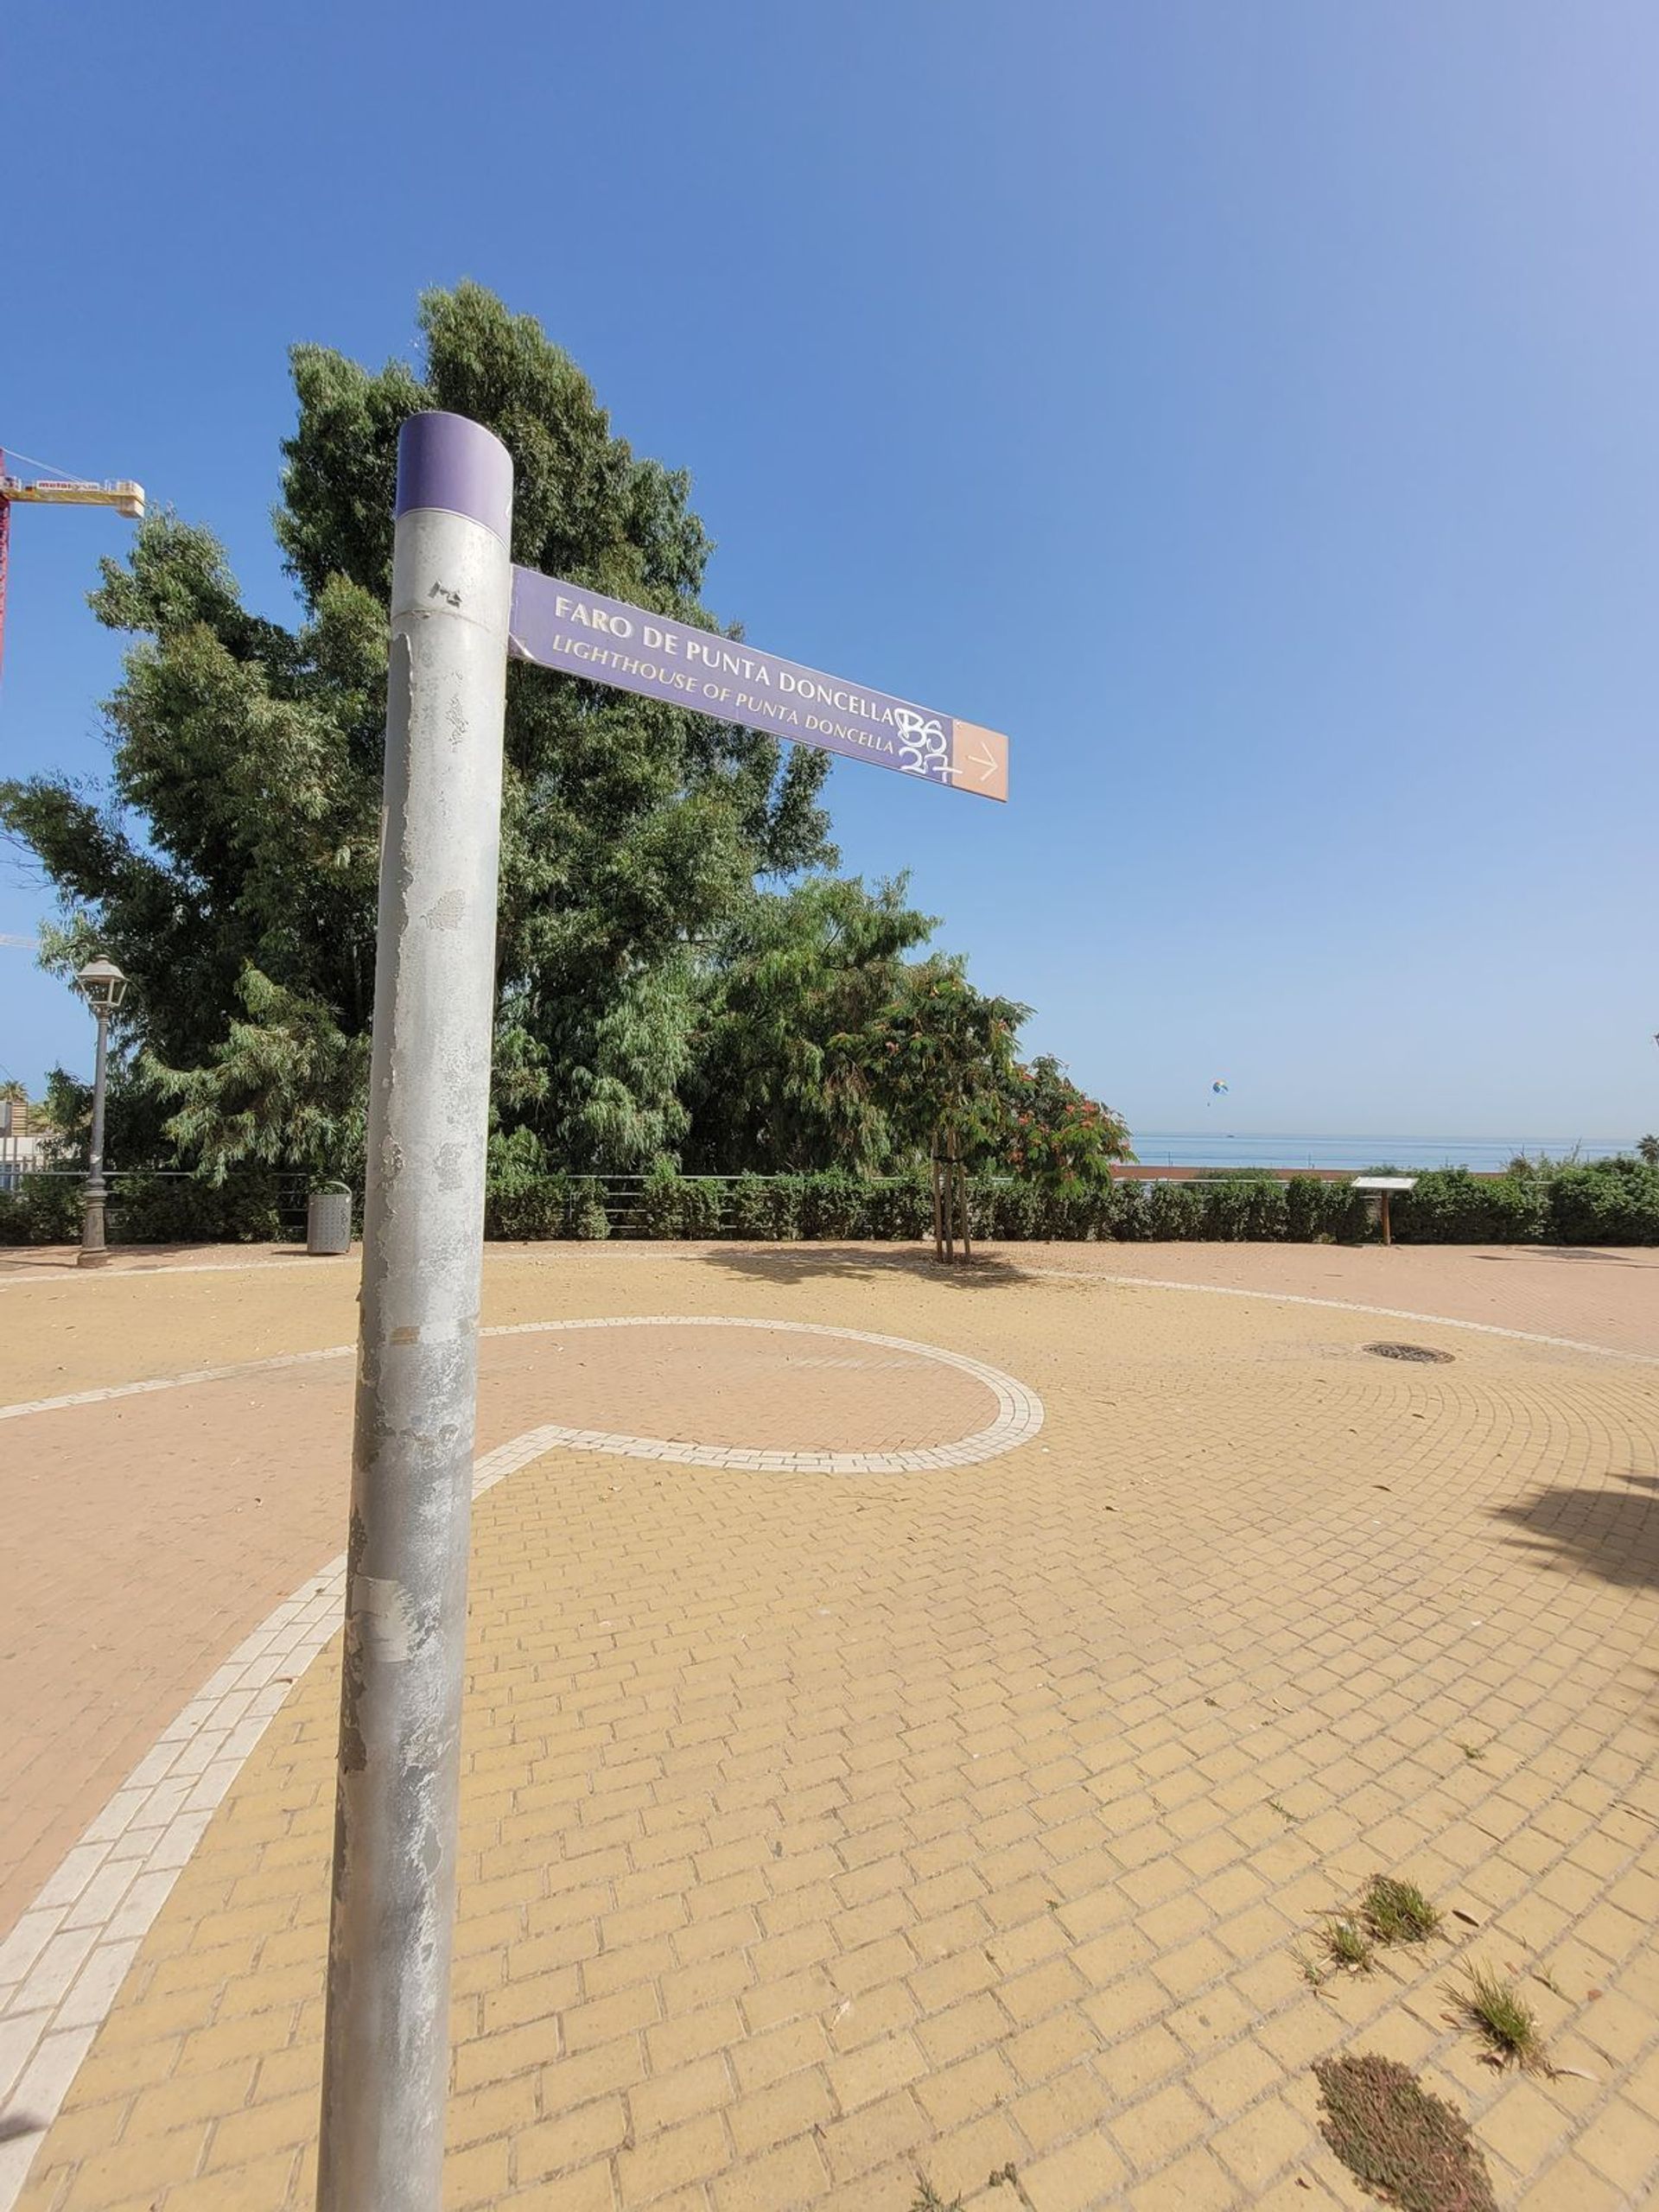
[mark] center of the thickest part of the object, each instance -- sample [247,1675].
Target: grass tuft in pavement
[1406,2146]
[1309,1969]
[1398,1912]
[1347,1944]
[1495,2009]
[929,2200]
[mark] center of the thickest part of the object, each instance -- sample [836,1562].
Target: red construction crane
[125,496]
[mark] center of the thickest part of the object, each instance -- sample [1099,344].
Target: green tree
[230,867]
[679,977]
[1057,1135]
[938,1061]
[64,1119]
[1649,1148]
[286,1086]
[769,1090]
[15,1095]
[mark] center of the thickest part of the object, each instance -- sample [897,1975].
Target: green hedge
[1320,1212]
[527,1208]
[672,1206]
[899,1209]
[42,1210]
[834,1206]
[1595,1205]
[158,1208]
[1606,1202]
[179,1210]
[767,1207]
[1451,1206]
[1613,1202]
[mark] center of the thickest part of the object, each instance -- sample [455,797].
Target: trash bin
[328,1220]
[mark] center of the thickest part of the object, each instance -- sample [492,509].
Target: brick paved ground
[822,1832]
[151,1533]
[1601,1297]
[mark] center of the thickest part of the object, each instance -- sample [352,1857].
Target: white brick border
[1345,1306]
[66,1270]
[153,1383]
[1015,1404]
[1019,1411]
[63,1964]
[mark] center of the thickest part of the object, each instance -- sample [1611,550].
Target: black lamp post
[103,987]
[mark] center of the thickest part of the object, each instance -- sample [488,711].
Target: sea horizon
[1224,1148]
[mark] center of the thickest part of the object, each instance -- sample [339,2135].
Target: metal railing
[622,1197]
[19,1156]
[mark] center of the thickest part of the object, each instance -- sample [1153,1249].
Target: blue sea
[1216,1147]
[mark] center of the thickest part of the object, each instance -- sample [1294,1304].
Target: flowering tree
[1058,1137]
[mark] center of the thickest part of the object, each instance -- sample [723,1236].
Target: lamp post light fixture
[103,987]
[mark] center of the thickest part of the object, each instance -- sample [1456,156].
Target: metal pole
[93,1252]
[386,2041]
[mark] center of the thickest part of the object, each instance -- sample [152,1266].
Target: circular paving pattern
[244,1467]
[772,1401]
[821,1836]
[764,1396]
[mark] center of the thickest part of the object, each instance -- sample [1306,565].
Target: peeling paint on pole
[386,2045]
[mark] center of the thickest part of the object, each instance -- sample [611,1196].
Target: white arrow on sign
[979,760]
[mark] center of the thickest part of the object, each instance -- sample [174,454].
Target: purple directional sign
[564,625]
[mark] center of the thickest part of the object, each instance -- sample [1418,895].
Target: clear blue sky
[1253,411]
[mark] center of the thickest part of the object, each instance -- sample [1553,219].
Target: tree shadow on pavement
[1564,1252]
[16,1258]
[1611,1528]
[799,1264]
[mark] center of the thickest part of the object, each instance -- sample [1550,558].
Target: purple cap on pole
[445,461]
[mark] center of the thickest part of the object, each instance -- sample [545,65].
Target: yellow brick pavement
[820,1833]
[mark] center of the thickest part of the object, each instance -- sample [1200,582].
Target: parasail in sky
[1221,1086]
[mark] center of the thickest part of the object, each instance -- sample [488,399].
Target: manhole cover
[1424,1352]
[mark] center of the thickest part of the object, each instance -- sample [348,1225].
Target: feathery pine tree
[676,976]
[231,866]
